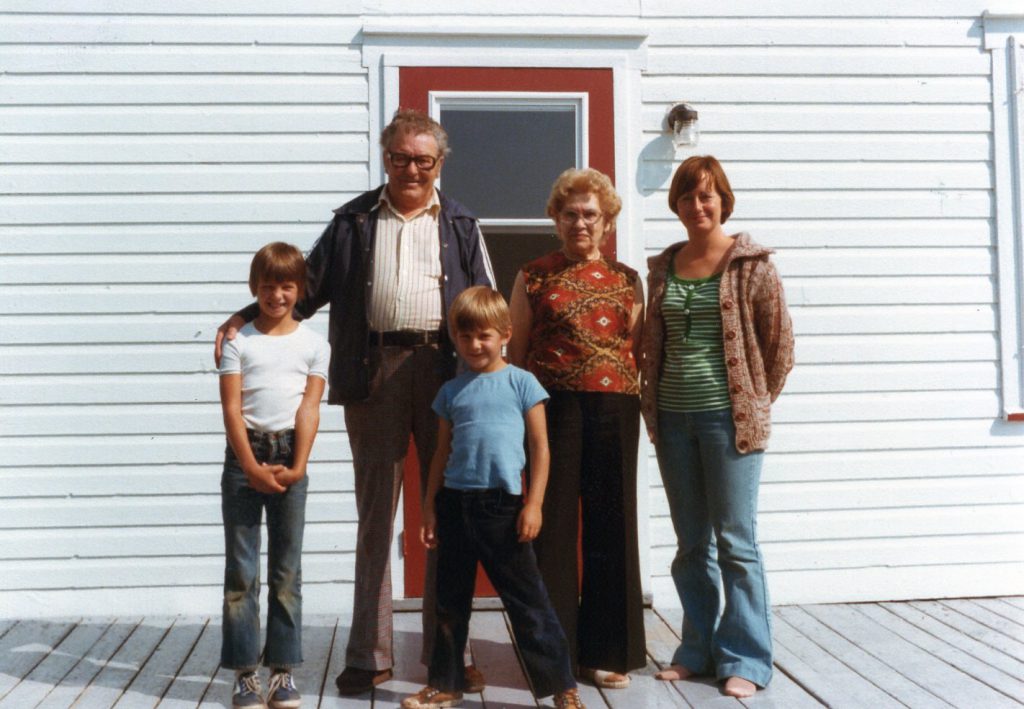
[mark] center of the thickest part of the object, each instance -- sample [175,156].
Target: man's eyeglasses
[423,162]
[589,217]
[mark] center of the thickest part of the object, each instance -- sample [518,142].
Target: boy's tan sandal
[432,698]
[569,699]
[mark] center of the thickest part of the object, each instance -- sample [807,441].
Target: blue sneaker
[248,693]
[281,692]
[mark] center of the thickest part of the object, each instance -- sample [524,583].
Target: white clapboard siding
[145,449]
[806,61]
[893,117]
[322,179]
[148,541]
[323,117]
[813,30]
[826,147]
[147,150]
[154,509]
[862,230]
[331,472]
[200,148]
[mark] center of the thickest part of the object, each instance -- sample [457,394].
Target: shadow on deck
[960,653]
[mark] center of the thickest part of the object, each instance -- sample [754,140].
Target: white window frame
[579,102]
[1004,32]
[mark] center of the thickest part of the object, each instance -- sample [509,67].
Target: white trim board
[1003,35]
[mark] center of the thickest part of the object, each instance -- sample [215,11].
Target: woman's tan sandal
[605,679]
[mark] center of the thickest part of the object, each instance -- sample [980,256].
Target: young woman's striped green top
[693,376]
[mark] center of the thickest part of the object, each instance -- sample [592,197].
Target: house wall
[148,151]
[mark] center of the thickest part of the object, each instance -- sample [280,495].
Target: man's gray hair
[409,120]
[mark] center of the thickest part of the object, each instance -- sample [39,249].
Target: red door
[415,85]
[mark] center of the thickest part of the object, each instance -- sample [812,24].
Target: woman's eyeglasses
[423,162]
[589,217]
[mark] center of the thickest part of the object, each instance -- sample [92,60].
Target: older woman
[717,346]
[576,319]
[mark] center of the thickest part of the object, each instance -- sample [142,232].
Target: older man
[390,264]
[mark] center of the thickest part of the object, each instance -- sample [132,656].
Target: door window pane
[505,159]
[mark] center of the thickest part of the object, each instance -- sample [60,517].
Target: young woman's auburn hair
[689,175]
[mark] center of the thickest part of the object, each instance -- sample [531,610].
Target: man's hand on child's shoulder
[227,331]
[263,478]
[529,522]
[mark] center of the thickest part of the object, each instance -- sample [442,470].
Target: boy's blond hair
[278,262]
[478,308]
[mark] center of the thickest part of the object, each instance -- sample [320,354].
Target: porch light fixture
[682,121]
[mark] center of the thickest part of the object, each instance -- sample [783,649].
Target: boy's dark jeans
[481,525]
[242,508]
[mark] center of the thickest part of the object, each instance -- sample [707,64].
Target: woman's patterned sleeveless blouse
[580,338]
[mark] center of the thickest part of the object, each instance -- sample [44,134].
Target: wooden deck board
[950,654]
[317,640]
[930,654]
[989,619]
[91,663]
[783,693]
[662,641]
[944,681]
[834,682]
[330,699]
[107,687]
[410,675]
[194,676]
[1014,601]
[495,656]
[972,628]
[48,673]
[27,645]
[999,606]
[957,638]
[155,677]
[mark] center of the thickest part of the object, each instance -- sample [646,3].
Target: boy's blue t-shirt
[486,414]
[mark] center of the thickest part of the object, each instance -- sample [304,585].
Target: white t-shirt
[274,369]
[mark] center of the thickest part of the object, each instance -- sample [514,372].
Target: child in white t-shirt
[272,378]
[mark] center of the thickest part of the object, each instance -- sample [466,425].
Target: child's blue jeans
[480,525]
[242,508]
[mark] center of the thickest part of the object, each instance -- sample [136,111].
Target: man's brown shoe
[474,680]
[354,680]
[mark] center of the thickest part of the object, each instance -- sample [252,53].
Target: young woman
[717,346]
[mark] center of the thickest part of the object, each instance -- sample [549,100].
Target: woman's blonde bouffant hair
[583,181]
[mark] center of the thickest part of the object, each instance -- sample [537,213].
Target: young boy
[272,377]
[480,513]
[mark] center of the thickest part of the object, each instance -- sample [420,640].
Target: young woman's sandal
[604,678]
[673,673]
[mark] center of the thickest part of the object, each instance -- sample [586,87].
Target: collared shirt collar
[433,206]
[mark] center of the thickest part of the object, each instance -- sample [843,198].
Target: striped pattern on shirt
[407,274]
[693,375]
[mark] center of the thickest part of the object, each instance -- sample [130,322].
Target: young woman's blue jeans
[242,508]
[711,487]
